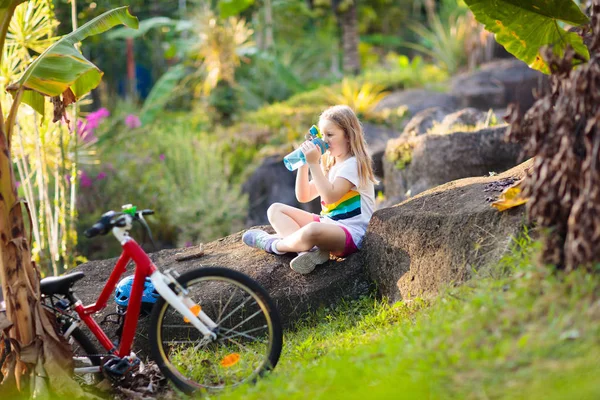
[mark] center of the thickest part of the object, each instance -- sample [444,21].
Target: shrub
[400,72]
[181,174]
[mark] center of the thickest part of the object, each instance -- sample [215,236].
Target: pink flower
[132,121]
[162,157]
[17,184]
[95,118]
[101,176]
[188,244]
[85,180]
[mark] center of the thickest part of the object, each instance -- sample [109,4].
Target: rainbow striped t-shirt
[354,209]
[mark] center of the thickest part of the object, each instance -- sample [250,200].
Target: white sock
[274,247]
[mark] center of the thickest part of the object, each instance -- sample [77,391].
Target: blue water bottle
[296,158]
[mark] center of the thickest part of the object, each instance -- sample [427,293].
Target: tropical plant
[443,41]
[219,48]
[44,151]
[524,27]
[61,70]
[361,97]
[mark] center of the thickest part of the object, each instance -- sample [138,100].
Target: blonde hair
[346,120]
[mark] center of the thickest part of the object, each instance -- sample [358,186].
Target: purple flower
[188,244]
[162,157]
[17,184]
[101,176]
[68,178]
[85,179]
[94,118]
[133,121]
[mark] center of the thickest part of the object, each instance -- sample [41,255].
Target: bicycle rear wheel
[249,333]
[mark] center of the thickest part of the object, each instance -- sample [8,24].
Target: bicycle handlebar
[111,219]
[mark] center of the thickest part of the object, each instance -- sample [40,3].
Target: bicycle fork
[198,319]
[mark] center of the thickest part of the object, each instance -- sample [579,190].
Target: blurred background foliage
[193,101]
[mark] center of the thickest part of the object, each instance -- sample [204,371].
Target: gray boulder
[439,237]
[497,84]
[417,100]
[470,117]
[424,120]
[435,159]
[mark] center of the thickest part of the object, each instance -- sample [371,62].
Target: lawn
[520,332]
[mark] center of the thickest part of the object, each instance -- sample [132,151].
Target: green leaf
[229,8]
[144,27]
[525,26]
[162,91]
[62,66]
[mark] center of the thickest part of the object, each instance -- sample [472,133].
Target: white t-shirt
[353,211]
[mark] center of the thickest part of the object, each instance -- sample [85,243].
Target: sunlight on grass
[518,332]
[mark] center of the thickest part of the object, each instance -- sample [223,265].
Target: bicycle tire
[213,366]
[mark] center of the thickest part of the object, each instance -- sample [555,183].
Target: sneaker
[306,261]
[259,239]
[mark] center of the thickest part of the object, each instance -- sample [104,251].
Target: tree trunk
[348,22]
[268,25]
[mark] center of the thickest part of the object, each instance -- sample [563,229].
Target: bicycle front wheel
[249,333]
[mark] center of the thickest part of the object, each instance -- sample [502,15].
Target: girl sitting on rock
[343,179]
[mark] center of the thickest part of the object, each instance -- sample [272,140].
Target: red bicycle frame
[143,268]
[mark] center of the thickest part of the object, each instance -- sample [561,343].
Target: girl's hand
[312,153]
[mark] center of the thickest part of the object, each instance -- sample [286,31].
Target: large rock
[416,100]
[498,83]
[272,183]
[439,237]
[377,137]
[439,158]
[437,119]
[293,294]
[424,121]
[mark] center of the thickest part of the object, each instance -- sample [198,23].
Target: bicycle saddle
[59,284]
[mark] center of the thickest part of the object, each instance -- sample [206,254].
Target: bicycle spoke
[224,307]
[247,319]
[245,334]
[235,309]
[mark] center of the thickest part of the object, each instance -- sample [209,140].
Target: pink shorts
[349,247]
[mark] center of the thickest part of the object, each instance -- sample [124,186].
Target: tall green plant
[43,150]
[63,74]
[443,41]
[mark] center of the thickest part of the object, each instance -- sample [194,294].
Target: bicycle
[211,328]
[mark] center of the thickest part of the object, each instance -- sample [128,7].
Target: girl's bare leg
[287,219]
[326,236]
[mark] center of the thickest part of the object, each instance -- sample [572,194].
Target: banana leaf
[163,90]
[525,26]
[62,68]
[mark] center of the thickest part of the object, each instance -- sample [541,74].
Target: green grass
[519,332]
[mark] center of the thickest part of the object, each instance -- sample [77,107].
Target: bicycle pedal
[118,367]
